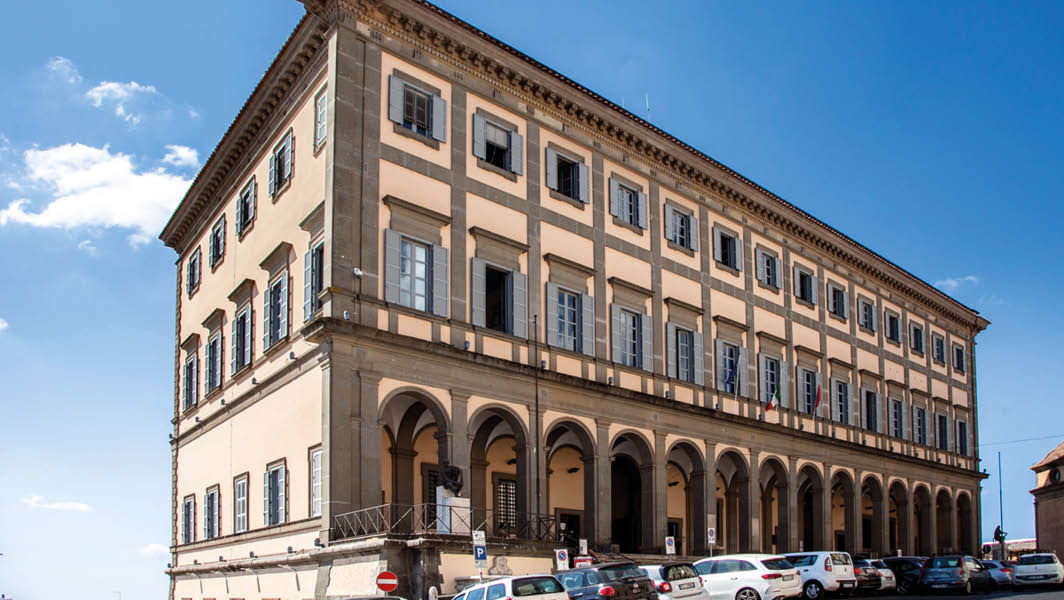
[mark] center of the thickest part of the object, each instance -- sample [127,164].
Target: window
[631,342]
[496,592]
[500,298]
[321,112]
[188,520]
[245,208]
[274,495]
[871,411]
[893,327]
[567,176]
[241,353]
[497,145]
[506,504]
[275,312]
[315,483]
[212,371]
[313,280]
[807,391]
[842,401]
[897,421]
[192,273]
[958,358]
[916,338]
[921,425]
[837,301]
[729,366]
[240,504]
[681,227]
[938,348]
[727,249]
[281,164]
[962,438]
[415,108]
[497,299]
[216,250]
[867,314]
[627,201]
[685,354]
[768,269]
[942,432]
[568,316]
[211,525]
[771,382]
[191,383]
[804,285]
[414,277]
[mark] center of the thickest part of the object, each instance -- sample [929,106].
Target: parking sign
[561,559]
[711,535]
[480,550]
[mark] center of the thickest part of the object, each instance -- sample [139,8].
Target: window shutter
[281,489]
[823,405]
[794,280]
[699,361]
[720,363]
[282,329]
[391,266]
[741,380]
[206,516]
[762,378]
[195,378]
[517,153]
[248,328]
[211,253]
[587,324]
[266,498]
[779,274]
[692,240]
[615,198]
[552,314]
[643,210]
[480,146]
[439,119]
[519,303]
[845,304]
[221,251]
[479,282]
[670,349]
[718,254]
[254,196]
[875,318]
[308,274]
[617,324]
[266,318]
[785,385]
[322,107]
[815,286]
[232,353]
[669,229]
[584,181]
[648,341]
[218,362]
[273,174]
[395,99]
[440,279]
[552,169]
[738,253]
[762,274]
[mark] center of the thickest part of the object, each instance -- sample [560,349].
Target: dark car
[953,573]
[906,570]
[609,581]
[868,578]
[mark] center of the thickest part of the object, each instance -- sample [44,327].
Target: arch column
[854,518]
[697,485]
[753,498]
[827,533]
[603,514]
[793,535]
[649,541]
[882,529]
[461,440]
[709,495]
[658,494]
[907,537]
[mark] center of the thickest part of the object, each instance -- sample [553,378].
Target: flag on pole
[774,399]
[819,397]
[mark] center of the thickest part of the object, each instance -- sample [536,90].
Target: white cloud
[193,113]
[87,247]
[38,502]
[121,95]
[61,68]
[152,549]
[3,325]
[950,284]
[93,187]
[181,156]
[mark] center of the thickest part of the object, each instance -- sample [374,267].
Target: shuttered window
[630,333]
[416,106]
[211,505]
[871,411]
[938,348]
[416,109]
[321,106]
[916,338]
[958,358]
[315,483]
[241,335]
[893,326]
[500,298]
[274,495]
[867,312]
[681,228]
[962,438]
[838,300]
[568,319]
[567,176]
[313,280]
[570,322]
[804,285]
[628,204]
[768,269]
[770,379]
[192,272]
[942,432]
[807,382]
[240,505]
[275,312]
[281,164]
[415,273]
[245,208]
[191,382]
[729,367]
[188,520]
[217,243]
[897,418]
[212,369]
[921,425]
[842,401]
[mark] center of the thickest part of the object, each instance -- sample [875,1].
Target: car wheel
[968,588]
[813,590]
[902,587]
[747,594]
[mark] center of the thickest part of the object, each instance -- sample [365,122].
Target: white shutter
[644,210]
[266,309]
[392,244]
[315,483]
[699,362]
[795,280]
[670,349]
[395,99]
[233,351]
[720,363]
[281,489]
[845,304]
[762,377]
[288,158]
[439,119]
[254,197]
[206,517]
[480,146]
[440,286]
[551,310]
[669,229]
[221,239]
[778,280]
[248,335]
[282,329]
[615,198]
[692,240]
[815,285]
[584,181]
[617,324]
[308,274]
[266,498]
[587,324]
[273,173]
[519,303]
[785,384]
[517,153]
[738,253]
[718,253]
[552,169]
[741,383]
[762,272]
[478,278]
[648,341]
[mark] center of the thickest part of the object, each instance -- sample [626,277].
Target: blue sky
[930,132]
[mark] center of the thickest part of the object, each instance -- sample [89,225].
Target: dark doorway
[627,493]
[569,528]
[808,522]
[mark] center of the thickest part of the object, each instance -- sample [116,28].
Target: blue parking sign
[480,553]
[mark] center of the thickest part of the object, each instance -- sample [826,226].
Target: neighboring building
[1049,501]
[1013,548]
[418,252]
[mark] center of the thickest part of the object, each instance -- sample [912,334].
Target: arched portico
[685,476]
[416,428]
[872,522]
[965,524]
[499,490]
[900,515]
[570,452]
[923,521]
[811,509]
[775,526]
[632,492]
[944,515]
[733,502]
[843,513]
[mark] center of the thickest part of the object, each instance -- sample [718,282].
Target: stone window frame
[188,526]
[842,373]
[830,286]
[277,265]
[887,315]
[633,298]
[718,248]
[320,451]
[764,252]
[959,368]
[216,244]
[775,348]
[731,333]
[582,168]
[287,142]
[684,316]
[194,271]
[863,301]
[914,327]
[207,533]
[249,191]
[936,340]
[435,93]
[284,515]
[671,208]
[642,201]
[215,326]
[243,299]
[504,254]
[246,478]
[571,277]
[321,123]
[515,159]
[799,270]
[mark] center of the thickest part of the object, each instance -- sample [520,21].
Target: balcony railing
[410,519]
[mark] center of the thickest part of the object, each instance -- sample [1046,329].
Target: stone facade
[508,280]
[1049,502]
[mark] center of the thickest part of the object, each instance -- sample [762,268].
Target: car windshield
[989,564]
[803,561]
[532,586]
[879,564]
[841,559]
[860,562]
[677,572]
[572,580]
[705,568]
[944,562]
[1037,559]
[620,572]
[777,564]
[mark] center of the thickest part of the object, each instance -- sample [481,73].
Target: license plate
[687,586]
[788,577]
[847,584]
[939,585]
[635,587]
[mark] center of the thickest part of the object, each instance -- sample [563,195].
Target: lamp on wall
[572,470]
[465,344]
[674,483]
[609,380]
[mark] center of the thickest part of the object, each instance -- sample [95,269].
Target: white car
[676,581]
[1038,569]
[824,572]
[526,587]
[1000,571]
[887,581]
[750,577]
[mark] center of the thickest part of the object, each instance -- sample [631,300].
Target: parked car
[887,578]
[1037,569]
[824,572]
[527,587]
[868,577]
[615,581]
[953,573]
[1000,571]
[676,581]
[906,571]
[750,577]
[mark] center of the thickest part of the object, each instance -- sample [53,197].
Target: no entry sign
[387,581]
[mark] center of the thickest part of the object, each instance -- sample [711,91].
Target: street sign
[561,559]
[583,547]
[480,550]
[711,535]
[582,561]
[387,581]
[670,545]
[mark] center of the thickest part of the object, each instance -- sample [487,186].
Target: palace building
[426,284]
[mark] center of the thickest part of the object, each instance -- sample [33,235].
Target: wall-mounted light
[254,381]
[289,549]
[195,562]
[666,394]
[572,470]
[317,542]
[221,558]
[357,272]
[512,461]
[292,355]
[465,344]
[251,554]
[172,437]
[609,380]
[674,483]
[197,419]
[543,364]
[347,315]
[223,401]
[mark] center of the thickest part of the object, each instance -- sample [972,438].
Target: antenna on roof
[648,106]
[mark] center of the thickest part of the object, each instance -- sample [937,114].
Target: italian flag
[774,400]
[818,397]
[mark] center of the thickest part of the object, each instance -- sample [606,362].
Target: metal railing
[409,519]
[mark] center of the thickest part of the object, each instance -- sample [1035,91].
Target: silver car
[1000,571]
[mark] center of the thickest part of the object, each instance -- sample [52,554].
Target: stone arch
[899,535]
[773,483]
[632,492]
[944,517]
[812,511]
[407,415]
[843,512]
[872,520]
[570,464]
[965,523]
[733,501]
[499,470]
[923,520]
[686,498]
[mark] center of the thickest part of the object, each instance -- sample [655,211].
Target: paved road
[1050,594]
